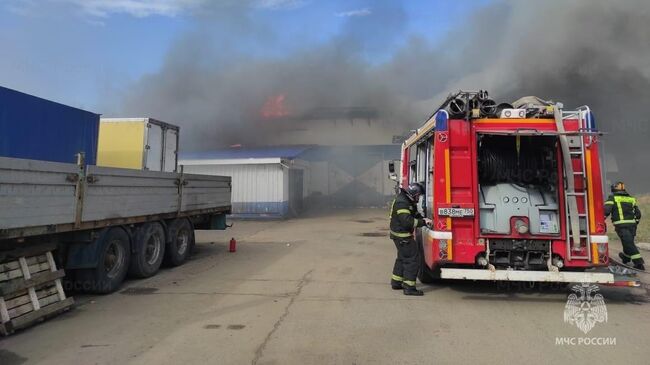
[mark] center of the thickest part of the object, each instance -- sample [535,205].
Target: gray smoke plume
[594,52]
[216,90]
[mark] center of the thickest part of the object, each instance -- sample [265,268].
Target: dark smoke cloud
[578,52]
[214,86]
[594,52]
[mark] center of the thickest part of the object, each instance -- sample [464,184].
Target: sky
[210,65]
[88,53]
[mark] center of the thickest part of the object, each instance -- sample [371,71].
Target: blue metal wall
[39,129]
[260,210]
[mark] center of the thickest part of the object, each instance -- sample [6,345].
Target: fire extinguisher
[233,245]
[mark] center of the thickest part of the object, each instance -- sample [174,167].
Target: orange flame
[274,107]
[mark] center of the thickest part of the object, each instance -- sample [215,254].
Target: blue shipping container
[39,129]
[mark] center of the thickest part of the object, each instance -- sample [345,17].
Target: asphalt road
[315,291]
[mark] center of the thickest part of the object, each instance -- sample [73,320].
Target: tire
[148,250]
[113,265]
[180,239]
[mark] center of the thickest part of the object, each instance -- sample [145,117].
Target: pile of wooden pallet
[30,288]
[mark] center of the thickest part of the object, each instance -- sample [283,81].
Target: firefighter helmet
[619,186]
[414,190]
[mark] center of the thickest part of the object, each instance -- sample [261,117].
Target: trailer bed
[40,197]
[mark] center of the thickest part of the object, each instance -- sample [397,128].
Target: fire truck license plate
[456,212]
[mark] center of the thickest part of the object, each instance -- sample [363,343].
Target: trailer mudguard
[85,255]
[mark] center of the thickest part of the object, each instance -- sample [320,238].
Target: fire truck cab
[514,192]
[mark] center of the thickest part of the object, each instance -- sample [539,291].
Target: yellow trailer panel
[121,144]
[138,143]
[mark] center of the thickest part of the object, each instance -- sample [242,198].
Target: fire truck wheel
[180,241]
[112,266]
[149,250]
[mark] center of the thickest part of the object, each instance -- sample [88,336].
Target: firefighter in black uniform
[625,217]
[404,218]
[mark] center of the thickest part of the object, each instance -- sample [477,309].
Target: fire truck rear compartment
[523,254]
[518,189]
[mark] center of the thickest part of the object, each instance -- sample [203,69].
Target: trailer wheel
[149,250]
[180,242]
[112,266]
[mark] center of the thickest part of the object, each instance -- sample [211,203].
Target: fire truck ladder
[573,146]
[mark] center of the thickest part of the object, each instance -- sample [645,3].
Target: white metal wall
[256,188]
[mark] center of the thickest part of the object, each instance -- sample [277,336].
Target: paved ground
[314,291]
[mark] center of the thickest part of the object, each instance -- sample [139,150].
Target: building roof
[251,155]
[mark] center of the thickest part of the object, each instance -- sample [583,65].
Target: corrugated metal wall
[39,129]
[258,190]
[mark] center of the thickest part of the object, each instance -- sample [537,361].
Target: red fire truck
[515,192]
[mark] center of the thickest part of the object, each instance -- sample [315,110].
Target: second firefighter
[625,217]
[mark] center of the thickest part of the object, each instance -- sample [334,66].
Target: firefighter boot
[624,258]
[638,264]
[411,290]
[396,282]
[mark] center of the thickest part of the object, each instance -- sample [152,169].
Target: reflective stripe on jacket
[623,208]
[404,217]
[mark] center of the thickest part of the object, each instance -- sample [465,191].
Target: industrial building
[266,182]
[350,176]
[326,157]
[280,181]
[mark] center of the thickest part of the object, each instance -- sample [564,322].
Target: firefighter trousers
[407,262]
[627,232]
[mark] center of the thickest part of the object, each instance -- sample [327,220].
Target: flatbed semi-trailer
[66,223]
[106,222]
